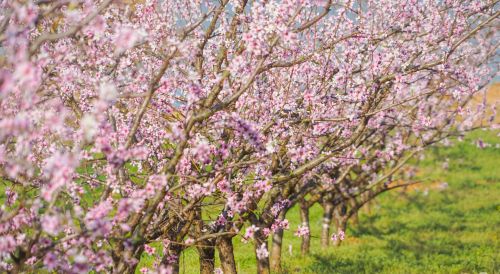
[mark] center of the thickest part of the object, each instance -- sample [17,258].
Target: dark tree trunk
[277,247]
[341,223]
[327,222]
[263,262]
[341,227]
[205,248]
[207,257]
[354,217]
[226,255]
[306,239]
[368,205]
[127,267]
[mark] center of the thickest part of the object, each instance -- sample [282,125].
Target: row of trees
[190,123]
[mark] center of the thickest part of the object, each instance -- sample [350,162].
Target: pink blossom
[31,260]
[149,250]
[11,196]
[50,261]
[89,127]
[266,232]
[262,252]
[120,119]
[334,237]
[127,38]
[340,236]
[107,92]
[249,232]
[51,224]
[303,230]
[224,186]
[263,186]
[7,244]
[280,224]
[171,259]
[189,241]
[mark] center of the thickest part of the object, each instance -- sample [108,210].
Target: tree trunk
[341,222]
[226,255]
[124,264]
[205,248]
[368,205]
[277,247]
[354,217]
[306,239]
[207,257]
[327,221]
[263,261]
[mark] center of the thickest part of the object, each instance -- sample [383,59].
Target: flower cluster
[340,236]
[302,230]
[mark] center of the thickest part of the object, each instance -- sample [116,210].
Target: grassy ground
[422,230]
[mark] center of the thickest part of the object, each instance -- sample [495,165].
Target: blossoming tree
[185,123]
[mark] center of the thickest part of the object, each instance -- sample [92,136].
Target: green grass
[456,230]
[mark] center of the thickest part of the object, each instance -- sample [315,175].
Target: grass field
[426,229]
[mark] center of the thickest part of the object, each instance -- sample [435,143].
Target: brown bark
[226,255]
[354,217]
[341,227]
[124,264]
[341,223]
[263,262]
[306,239]
[327,222]
[276,248]
[207,257]
[177,233]
[206,250]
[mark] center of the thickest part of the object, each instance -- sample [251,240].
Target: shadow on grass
[333,264]
[412,243]
[397,254]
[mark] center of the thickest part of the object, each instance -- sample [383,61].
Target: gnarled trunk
[327,221]
[226,255]
[306,239]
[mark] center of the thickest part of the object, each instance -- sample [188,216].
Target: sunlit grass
[455,230]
